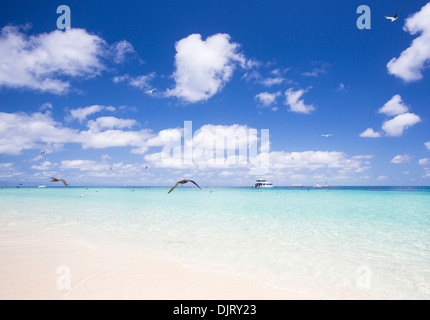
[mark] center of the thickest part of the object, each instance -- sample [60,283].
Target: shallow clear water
[325,243]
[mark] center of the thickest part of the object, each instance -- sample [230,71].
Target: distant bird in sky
[150,91]
[58,180]
[182,182]
[326,135]
[393,18]
[111,168]
[146,167]
[43,152]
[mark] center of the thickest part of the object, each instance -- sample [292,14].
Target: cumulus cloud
[394,106]
[401,159]
[427,145]
[141,82]
[120,50]
[110,123]
[294,102]
[364,157]
[397,125]
[341,87]
[46,165]
[114,138]
[313,160]
[22,131]
[8,170]
[268,82]
[208,145]
[82,113]
[266,99]
[37,62]
[370,133]
[382,178]
[203,67]
[424,162]
[414,60]
[317,71]
[84,165]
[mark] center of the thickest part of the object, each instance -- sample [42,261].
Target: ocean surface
[326,243]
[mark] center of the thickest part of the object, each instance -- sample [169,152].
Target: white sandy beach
[31,255]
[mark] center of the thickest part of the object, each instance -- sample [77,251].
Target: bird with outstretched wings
[58,180]
[182,182]
[396,16]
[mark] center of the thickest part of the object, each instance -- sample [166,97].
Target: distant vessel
[262,183]
[296,186]
[41,186]
[317,185]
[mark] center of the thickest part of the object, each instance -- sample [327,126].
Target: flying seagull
[150,91]
[58,180]
[183,182]
[393,18]
[146,167]
[43,152]
[326,135]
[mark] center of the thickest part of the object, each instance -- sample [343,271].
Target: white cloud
[46,106]
[427,145]
[394,107]
[82,113]
[424,162]
[317,71]
[114,138]
[203,67]
[21,131]
[426,173]
[397,125]
[121,49]
[296,105]
[382,178]
[8,170]
[268,82]
[84,165]
[370,133]
[401,159]
[37,62]
[341,87]
[110,123]
[226,173]
[266,99]
[414,59]
[141,82]
[313,160]
[47,165]
[363,157]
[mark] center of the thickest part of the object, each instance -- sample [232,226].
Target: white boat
[41,186]
[317,185]
[263,183]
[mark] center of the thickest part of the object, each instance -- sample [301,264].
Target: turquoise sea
[357,242]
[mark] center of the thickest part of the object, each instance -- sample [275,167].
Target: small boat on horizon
[317,185]
[263,183]
[42,186]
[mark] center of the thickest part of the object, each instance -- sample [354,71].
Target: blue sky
[298,68]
